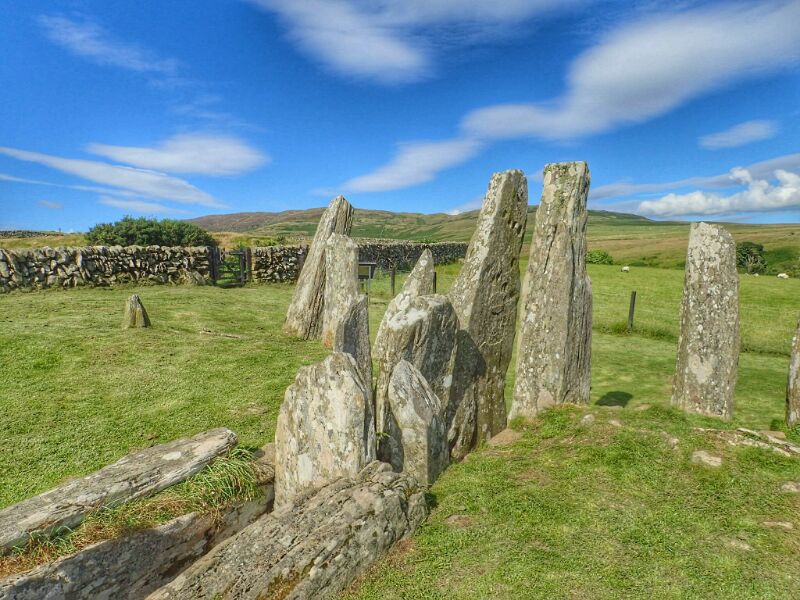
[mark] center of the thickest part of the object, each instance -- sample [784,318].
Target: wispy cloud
[740,135]
[647,68]
[189,153]
[89,40]
[139,181]
[49,204]
[759,195]
[140,207]
[413,164]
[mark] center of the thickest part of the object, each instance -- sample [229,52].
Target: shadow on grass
[615,399]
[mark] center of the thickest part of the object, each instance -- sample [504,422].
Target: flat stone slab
[138,474]
[313,547]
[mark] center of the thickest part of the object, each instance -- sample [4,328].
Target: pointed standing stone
[708,345]
[793,389]
[304,317]
[352,337]
[135,314]
[555,341]
[484,296]
[326,428]
[418,283]
[341,283]
[416,435]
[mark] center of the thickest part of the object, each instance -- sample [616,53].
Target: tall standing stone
[352,337]
[793,389]
[415,440]
[708,345]
[326,427]
[304,317]
[555,342]
[341,283]
[484,296]
[135,313]
[418,283]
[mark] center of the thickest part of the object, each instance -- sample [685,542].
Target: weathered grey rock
[701,457]
[485,296]
[341,283]
[326,427]
[135,313]
[414,424]
[352,337]
[418,283]
[424,333]
[136,475]
[314,547]
[708,344]
[304,317]
[793,388]
[555,341]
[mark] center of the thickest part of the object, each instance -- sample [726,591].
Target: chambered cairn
[793,389]
[484,296]
[341,283]
[708,344]
[304,317]
[555,340]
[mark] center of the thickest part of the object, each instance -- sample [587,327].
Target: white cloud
[50,204]
[740,135]
[389,41]
[414,163]
[189,153]
[82,188]
[91,41]
[140,207]
[144,183]
[473,204]
[759,195]
[646,68]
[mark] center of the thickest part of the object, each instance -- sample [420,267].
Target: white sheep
[626,269]
[783,276]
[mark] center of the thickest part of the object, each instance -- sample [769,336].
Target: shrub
[750,257]
[149,232]
[599,257]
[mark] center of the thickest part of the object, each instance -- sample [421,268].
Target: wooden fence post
[630,311]
[434,282]
[394,273]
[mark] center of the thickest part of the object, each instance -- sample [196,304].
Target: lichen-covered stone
[304,317]
[485,296]
[555,340]
[136,475]
[341,283]
[708,345]
[314,547]
[793,389]
[135,314]
[415,439]
[352,337]
[326,427]
[424,333]
[418,283]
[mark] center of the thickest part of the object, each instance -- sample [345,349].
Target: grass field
[569,511]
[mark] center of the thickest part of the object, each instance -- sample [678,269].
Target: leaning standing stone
[415,440]
[418,283]
[135,313]
[708,345]
[485,296]
[304,317]
[352,337]
[793,390]
[555,343]
[341,283]
[326,427]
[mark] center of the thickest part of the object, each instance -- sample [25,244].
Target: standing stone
[416,434]
[341,283]
[793,389]
[708,345]
[352,337]
[326,427]
[135,313]
[418,283]
[484,296]
[555,343]
[304,317]
[424,333]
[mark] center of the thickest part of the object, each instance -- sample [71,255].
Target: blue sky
[683,110]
